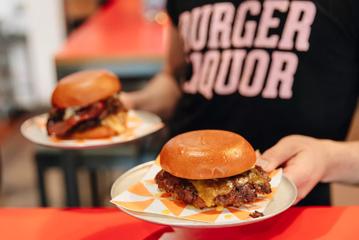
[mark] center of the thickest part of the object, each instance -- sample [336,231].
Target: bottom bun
[94,133]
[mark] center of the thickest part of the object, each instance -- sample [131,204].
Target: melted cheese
[208,192]
[116,122]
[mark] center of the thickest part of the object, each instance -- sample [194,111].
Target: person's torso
[267,69]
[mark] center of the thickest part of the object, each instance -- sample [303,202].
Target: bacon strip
[62,128]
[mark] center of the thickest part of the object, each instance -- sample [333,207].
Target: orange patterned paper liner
[140,189]
[176,208]
[138,206]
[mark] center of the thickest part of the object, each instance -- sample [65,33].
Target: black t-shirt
[268,69]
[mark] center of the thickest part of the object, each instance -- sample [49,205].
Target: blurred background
[42,41]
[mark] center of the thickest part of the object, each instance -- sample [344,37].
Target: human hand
[305,160]
[127,100]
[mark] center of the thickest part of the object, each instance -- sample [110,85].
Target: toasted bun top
[207,154]
[85,87]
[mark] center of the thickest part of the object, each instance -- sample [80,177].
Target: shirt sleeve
[172,11]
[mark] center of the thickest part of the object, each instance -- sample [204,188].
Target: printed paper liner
[144,196]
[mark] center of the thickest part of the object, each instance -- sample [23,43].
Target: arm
[162,92]
[344,163]
[308,161]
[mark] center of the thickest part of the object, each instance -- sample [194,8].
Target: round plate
[140,124]
[282,200]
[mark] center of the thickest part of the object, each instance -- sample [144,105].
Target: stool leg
[40,165]
[141,150]
[70,177]
[94,188]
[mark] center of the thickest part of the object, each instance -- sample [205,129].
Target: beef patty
[84,118]
[224,192]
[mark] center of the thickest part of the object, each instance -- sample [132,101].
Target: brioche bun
[207,154]
[84,88]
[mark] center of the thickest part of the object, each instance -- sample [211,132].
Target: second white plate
[140,124]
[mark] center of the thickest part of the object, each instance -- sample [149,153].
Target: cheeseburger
[86,105]
[211,168]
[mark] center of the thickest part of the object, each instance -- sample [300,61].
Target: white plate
[140,124]
[282,200]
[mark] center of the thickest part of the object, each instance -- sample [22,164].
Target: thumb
[303,175]
[281,152]
[127,100]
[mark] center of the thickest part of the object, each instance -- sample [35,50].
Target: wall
[45,34]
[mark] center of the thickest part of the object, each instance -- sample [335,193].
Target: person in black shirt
[284,74]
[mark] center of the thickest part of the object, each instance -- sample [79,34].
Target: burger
[86,105]
[211,168]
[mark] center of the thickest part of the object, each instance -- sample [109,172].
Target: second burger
[86,105]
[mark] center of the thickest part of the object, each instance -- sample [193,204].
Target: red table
[117,37]
[89,224]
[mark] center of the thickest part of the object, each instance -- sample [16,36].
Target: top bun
[207,154]
[84,88]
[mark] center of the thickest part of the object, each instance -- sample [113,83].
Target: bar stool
[71,161]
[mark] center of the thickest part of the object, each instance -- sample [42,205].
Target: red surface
[90,224]
[116,31]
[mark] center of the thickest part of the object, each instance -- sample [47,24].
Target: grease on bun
[207,154]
